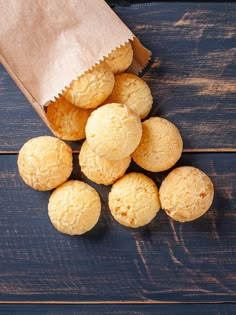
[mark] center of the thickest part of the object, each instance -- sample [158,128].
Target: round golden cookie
[132,91]
[100,170]
[92,88]
[160,147]
[120,58]
[67,120]
[113,131]
[45,162]
[74,207]
[186,193]
[134,200]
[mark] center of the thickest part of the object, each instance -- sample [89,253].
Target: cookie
[67,120]
[186,193]
[100,170]
[134,200]
[45,162]
[74,208]
[92,88]
[132,91]
[120,58]
[113,131]
[160,147]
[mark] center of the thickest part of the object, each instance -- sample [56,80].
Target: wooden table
[166,267]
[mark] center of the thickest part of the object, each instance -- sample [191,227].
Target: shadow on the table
[214,221]
[100,231]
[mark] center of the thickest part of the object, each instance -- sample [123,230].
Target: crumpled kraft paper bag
[45,44]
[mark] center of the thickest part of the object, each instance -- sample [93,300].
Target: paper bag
[45,44]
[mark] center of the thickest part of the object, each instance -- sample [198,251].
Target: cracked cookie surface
[160,147]
[186,193]
[67,120]
[134,200]
[120,58]
[113,131]
[74,208]
[45,162]
[92,88]
[100,170]
[132,91]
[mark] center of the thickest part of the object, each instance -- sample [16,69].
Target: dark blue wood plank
[193,71]
[164,261]
[194,86]
[195,309]
[18,120]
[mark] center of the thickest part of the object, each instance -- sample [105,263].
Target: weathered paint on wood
[202,309]
[165,261]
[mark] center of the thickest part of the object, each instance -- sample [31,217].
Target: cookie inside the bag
[120,58]
[92,88]
[67,120]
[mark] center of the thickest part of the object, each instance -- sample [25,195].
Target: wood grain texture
[192,78]
[117,309]
[193,69]
[165,261]
[192,74]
